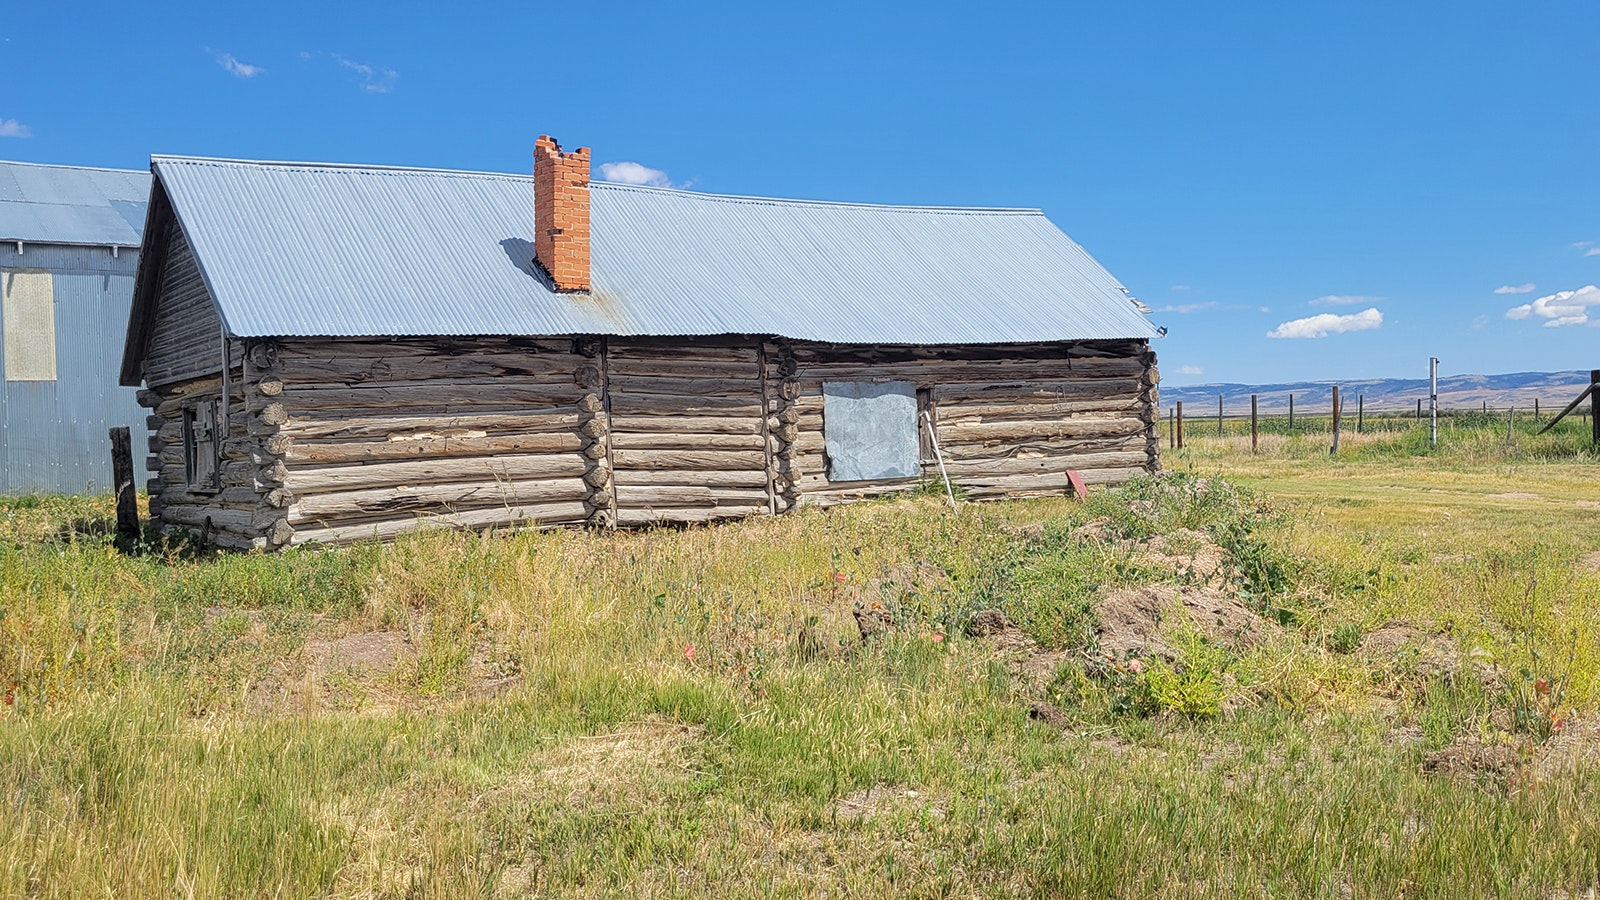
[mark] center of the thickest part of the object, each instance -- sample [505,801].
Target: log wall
[339,440]
[1010,420]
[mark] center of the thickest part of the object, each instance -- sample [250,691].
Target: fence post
[1291,412]
[1536,409]
[1172,437]
[1361,412]
[122,481]
[1511,411]
[1180,424]
[1255,433]
[1419,409]
[1334,450]
[1219,415]
[1594,404]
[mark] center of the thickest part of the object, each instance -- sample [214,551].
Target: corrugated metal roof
[71,205]
[330,250]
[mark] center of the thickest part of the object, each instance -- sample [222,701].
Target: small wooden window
[202,446]
[925,408]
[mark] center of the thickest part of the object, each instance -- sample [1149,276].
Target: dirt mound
[988,622]
[1576,745]
[1131,619]
[1186,551]
[1471,757]
[1590,562]
[1423,654]
[373,653]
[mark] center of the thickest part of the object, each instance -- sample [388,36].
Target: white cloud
[1480,322]
[236,67]
[1592,251]
[1561,308]
[1265,309]
[1327,323]
[1589,248]
[633,173]
[1182,287]
[13,128]
[1188,307]
[1345,300]
[1191,370]
[374,79]
[1516,288]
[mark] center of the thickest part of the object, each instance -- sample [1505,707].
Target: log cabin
[333,353]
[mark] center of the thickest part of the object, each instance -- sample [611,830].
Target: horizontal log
[621,350]
[1034,463]
[451,497]
[405,447]
[391,348]
[638,518]
[378,424]
[688,460]
[934,371]
[683,368]
[676,496]
[571,512]
[627,404]
[1040,430]
[507,392]
[956,413]
[745,478]
[734,388]
[403,369]
[1046,482]
[671,441]
[305,480]
[624,424]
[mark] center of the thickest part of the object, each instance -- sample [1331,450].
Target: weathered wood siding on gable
[185,340]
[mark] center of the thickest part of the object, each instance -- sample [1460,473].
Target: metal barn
[69,248]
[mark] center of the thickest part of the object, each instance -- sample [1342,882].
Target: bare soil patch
[1590,562]
[1474,757]
[882,799]
[1131,619]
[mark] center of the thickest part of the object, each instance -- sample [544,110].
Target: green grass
[139,758]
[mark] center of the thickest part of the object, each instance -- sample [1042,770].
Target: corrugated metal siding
[71,205]
[311,250]
[53,434]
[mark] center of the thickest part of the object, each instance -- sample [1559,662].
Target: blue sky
[1240,166]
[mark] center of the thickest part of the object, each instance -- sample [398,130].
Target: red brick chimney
[561,213]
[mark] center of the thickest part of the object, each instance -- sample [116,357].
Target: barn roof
[70,205]
[292,249]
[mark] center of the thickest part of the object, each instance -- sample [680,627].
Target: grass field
[1411,707]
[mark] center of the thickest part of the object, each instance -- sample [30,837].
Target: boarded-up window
[30,325]
[870,430]
[200,446]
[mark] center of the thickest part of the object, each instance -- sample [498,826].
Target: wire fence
[1225,420]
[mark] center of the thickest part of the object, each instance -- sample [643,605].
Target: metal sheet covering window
[870,430]
[30,324]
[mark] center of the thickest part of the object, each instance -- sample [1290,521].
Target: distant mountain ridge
[1552,389]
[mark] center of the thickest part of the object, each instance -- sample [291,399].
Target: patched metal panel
[53,433]
[870,430]
[336,251]
[28,300]
[72,205]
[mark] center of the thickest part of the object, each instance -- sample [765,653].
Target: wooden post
[1511,412]
[1594,404]
[1334,450]
[1255,428]
[1291,412]
[1361,412]
[1536,409]
[1219,415]
[1419,409]
[1172,434]
[1180,424]
[122,480]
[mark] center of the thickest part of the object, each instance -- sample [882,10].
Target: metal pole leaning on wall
[1433,401]
[1180,424]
